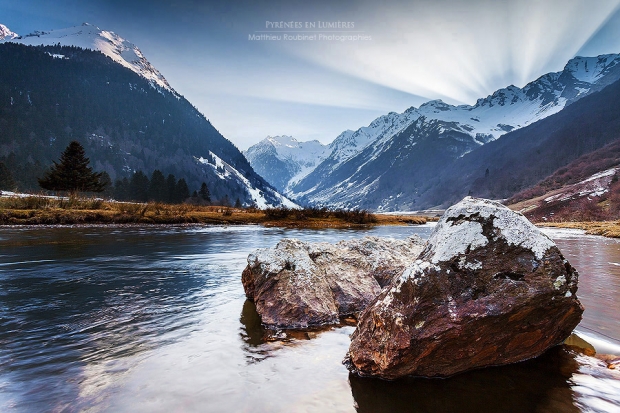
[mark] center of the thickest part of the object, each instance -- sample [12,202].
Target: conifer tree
[121,189]
[158,190]
[72,173]
[181,191]
[6,178]
[204,192]
[139,187]
[171,183]
[108,186]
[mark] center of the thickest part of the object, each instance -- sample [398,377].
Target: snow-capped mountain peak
[283,160]
[591,69]
[301,152]
[109,43]
[283,140]
[361,160]
[6,33]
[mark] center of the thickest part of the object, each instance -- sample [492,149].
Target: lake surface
[155,320]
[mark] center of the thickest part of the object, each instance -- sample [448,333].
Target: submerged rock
[301,285]
[488,289]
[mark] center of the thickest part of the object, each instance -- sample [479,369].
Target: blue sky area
[405,53]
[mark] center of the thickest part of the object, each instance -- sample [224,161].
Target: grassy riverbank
[74,211]
[605,228]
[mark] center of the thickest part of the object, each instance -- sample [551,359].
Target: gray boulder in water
[301,285]
[488,289]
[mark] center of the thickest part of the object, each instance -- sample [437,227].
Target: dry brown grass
[403,219]
[45,211]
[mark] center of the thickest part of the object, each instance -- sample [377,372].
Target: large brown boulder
[488,289]
[301,285]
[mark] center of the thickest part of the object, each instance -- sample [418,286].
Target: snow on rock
[110,44]
[488,289]
[57,56]
[460,229]
[300,285]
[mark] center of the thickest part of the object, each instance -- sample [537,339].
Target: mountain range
[395,162]
[283,161]
[90,85]
[87,84]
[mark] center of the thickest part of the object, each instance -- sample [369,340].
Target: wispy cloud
[461,50]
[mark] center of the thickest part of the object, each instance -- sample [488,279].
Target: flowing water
[155,320]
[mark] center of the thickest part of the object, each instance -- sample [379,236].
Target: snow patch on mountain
[6,33]
[349,143]
[110,44]
[594,186]
[225,172]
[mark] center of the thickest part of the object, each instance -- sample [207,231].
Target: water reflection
[252,330]
[539,385]
[253,334]
[261,343]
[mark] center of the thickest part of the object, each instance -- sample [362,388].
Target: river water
[155,320]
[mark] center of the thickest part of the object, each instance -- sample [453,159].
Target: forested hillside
[52,95]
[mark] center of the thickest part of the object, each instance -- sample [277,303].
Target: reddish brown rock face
[301,285]
[489,289]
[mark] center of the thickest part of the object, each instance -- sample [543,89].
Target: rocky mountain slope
[282,160]
[90,85]
[364,167]
[586,189]
[523,158]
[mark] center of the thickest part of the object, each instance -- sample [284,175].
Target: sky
[359,59]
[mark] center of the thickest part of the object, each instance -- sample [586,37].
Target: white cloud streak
[460,50]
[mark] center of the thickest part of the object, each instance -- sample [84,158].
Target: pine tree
[238,203]
[204,192]
[171,183]
[6,178]
[181,191]
[121,189]
[158,190]
[139,187]
[106,181]
[72,173]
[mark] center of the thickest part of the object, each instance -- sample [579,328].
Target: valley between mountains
[549,147]
[434,155]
